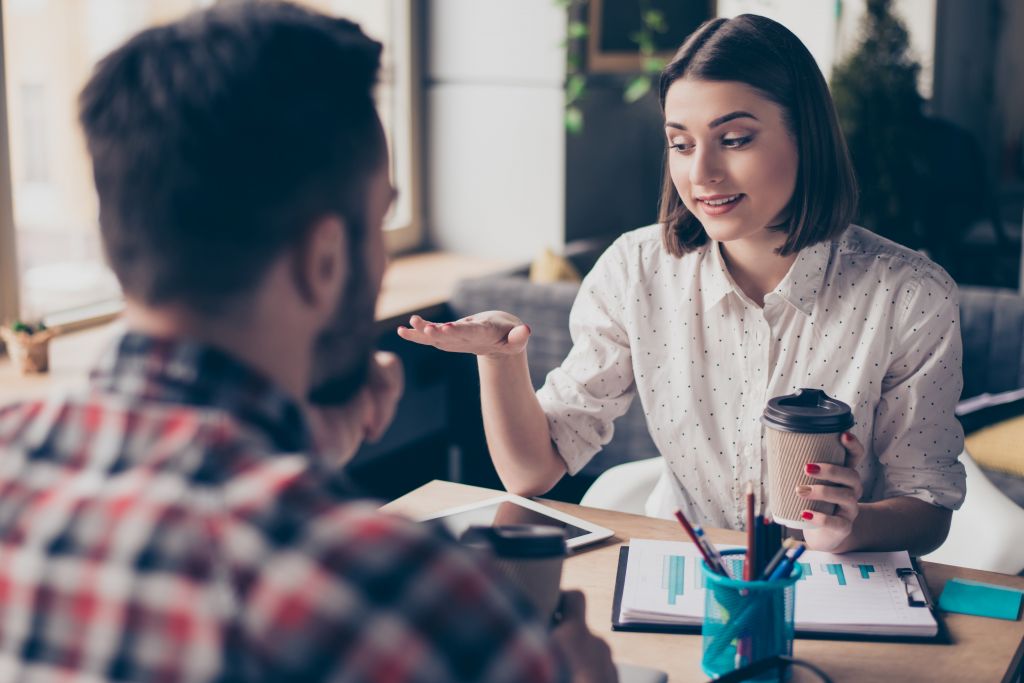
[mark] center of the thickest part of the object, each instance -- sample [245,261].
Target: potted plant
[28,346]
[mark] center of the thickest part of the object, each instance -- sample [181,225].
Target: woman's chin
[720,231]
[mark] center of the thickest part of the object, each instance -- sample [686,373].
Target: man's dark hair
[766,56]
[219,139]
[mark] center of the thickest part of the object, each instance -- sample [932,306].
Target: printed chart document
[855,593]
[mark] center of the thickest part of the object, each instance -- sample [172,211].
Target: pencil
[716,557]
[697,541]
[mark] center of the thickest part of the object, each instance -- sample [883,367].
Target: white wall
[495,140]
[831,28]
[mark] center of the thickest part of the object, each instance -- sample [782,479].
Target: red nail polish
[807,515]
[811,468]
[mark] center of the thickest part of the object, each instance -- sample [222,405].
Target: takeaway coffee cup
[803,427]
[530,556]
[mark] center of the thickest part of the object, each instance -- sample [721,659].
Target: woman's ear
[321,262]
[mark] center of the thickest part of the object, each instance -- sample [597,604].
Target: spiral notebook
[873,596]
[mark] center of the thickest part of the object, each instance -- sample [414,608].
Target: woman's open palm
[491,333]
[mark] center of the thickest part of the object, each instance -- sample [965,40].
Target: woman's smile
[719,204]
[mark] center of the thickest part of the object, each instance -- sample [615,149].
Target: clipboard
[918,595]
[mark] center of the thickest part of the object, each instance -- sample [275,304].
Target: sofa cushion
[992,325]
[550,267]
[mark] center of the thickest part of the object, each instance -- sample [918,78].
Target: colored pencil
[708,558]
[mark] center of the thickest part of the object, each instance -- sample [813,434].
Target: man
[173,523]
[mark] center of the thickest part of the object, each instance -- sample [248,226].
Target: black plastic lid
[810,411]
[518,540]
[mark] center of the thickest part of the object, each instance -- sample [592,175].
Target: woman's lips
[720,204]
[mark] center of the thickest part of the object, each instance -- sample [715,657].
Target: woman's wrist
[500,360]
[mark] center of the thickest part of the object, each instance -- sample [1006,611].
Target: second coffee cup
[802,428]
[530,556]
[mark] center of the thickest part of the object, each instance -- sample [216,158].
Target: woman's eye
[681,146]
[736,142]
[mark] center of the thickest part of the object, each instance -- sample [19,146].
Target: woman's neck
[754,265]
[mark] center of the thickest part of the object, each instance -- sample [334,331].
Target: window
[51,262]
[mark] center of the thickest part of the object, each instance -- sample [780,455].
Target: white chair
[987,532]
[626,487]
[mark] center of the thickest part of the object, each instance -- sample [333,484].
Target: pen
[715,566]
[792,560]
[786,566]
[777,558]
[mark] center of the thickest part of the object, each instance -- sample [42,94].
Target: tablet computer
[511,509]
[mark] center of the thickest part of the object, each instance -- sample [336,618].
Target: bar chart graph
[673,577]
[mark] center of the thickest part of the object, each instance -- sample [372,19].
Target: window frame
[408,48]
[405,237]
[9,291]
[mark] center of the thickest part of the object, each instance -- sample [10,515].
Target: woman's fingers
[419,324]
[517,337]
[854,449]
[841,496]
[837,475]
[837,525]
[841,485]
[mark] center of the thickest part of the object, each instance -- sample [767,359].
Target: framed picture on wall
[613,24]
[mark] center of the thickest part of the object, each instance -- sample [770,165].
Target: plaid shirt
[166,526]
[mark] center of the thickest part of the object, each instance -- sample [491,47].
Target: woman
[752,285]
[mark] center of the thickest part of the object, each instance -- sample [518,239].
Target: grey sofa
[992,322]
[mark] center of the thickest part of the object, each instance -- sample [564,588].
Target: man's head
[221,141]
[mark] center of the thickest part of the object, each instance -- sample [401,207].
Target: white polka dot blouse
[871,323]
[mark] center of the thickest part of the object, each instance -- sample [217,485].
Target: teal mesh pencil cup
[745,621]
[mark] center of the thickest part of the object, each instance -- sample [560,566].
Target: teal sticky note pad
[981,599]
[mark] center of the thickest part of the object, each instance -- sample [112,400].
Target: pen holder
[746,621]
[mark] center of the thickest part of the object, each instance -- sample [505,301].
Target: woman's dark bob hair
[766,56]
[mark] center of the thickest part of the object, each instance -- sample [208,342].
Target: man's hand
[589,657]
[339,431]
[842,486]
[491,333]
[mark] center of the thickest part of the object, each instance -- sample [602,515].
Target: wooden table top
[982,650]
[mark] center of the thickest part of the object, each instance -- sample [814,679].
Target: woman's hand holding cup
[841,485]
[491,333]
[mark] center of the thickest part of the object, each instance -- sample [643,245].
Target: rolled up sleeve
[918,438]
[594,384]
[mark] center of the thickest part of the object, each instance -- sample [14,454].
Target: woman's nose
[705,168]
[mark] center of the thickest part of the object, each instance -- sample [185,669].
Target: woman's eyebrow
[730,116]
[717,122]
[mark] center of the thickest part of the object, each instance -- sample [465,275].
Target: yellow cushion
[1000,446]
[550,267]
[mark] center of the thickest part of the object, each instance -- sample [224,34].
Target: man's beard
[342,351]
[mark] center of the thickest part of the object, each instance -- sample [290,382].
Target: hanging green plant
[652,22]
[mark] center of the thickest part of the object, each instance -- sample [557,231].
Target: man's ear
[321,263]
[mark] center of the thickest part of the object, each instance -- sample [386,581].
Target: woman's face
[731,156]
